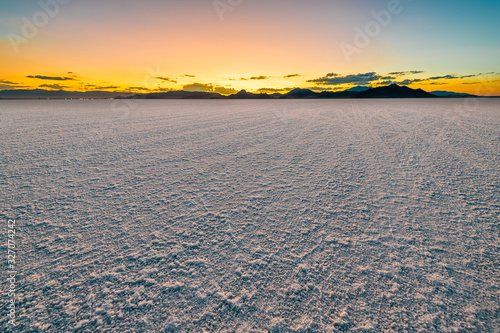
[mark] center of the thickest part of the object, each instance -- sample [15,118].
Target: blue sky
[113,42]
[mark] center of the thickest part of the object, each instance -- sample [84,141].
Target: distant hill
[243,94]
[300,93]
[394,91]
[358,89]
[441,93]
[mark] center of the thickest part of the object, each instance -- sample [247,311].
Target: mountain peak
[300,93]
[394,91]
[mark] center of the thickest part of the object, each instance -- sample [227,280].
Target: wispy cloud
[208,87]
[138,88]
[428,79]
[273,90]
[320,89]
[198,87]
[450,77]
[52,78]
[159,89]
[224,90]
[105,87]
[291,75]
[11,86]
[165,79]
[262,77]
[335,79]
[406,73]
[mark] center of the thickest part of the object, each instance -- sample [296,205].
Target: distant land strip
[390,91]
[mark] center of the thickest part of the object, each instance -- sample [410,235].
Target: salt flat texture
[254,216]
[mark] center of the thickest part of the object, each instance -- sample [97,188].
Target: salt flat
[254,216]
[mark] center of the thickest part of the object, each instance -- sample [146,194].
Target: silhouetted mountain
[337,94]
[300,93]
[358,88]
[243,94]
[441,93]
[307,93]
[394,91]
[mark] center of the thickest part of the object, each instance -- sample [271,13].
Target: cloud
[198,87]
[401,83]
[138,88]
[208,88]
[442,77]
[291,75]
[189,75]
[94,87]
[4,84]
[432,78]
[73,75]
[269,90]
[320,89]
[273,90]
[359,79]
[8,86]
[405,73]
[450,77]
[7,82]
[162,89]
[52,86]
[106,87]
[262,77]
[225,91]
[373,78]
[165,79]
[53,78]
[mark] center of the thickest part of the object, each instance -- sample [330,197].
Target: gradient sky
[257,45]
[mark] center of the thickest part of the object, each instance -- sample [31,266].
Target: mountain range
[391,91]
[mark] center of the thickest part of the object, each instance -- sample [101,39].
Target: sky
[256,45]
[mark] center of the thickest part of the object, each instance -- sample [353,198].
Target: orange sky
[157,45]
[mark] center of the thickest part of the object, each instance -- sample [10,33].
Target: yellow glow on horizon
[104,65]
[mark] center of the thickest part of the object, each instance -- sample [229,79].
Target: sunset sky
[257,45]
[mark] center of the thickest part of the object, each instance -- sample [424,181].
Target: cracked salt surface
[253,216]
